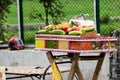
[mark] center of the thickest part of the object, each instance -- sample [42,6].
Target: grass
[29,7]
[29,37]
[107,29]
[71,9]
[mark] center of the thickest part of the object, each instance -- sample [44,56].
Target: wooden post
[2,73]
[75,68]
[98,66]
[56,74]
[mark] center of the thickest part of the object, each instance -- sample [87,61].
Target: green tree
[4,8]
[54,9]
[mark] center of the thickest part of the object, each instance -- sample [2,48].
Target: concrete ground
[30,57]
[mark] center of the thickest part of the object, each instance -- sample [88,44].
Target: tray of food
[68,38]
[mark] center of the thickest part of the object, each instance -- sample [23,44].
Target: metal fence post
[97,14]
[20,20]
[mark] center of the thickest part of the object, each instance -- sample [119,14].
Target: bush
[4,8]
[105,30]
[105,19]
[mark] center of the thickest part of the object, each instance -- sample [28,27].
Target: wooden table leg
[78,72]
[98,66]
[75,68]
[56,75]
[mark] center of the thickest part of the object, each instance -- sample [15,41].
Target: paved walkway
[34,58]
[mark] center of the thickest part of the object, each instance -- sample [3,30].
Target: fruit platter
[67,37]
[70,29]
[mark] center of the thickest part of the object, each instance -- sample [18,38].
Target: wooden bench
[33,72]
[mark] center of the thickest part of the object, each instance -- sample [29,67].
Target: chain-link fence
[109,15]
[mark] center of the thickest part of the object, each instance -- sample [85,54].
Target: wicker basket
[91,34]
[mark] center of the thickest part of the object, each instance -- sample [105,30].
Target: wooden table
[75,67]
[74,55]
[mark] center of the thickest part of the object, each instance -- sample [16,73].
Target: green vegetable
[42,32]
[87,29]
[58,32]
[74,33]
